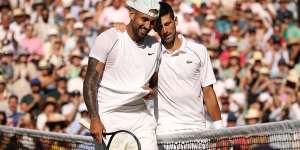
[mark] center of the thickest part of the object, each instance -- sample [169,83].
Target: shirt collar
[182,48]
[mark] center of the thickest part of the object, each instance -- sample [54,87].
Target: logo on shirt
[149,54]
[189,61]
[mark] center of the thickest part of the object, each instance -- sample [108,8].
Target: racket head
[123,140]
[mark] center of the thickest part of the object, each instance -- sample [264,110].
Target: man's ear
[132,14]
[176,21]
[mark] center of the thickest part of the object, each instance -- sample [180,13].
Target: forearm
[90,97]
[92,78]
[211,103]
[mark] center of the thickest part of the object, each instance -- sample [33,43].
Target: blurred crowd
[44,45]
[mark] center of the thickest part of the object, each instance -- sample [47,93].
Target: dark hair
[13,97]
[166,9]
[4,121]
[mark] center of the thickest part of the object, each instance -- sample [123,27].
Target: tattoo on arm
[93,77]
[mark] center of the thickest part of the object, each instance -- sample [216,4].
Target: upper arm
[207,75]
[94,70]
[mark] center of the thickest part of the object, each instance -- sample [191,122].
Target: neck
[172,46]
[131,34]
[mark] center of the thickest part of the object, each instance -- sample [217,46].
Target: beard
[168,38]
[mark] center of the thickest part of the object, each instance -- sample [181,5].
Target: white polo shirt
[180,98]
[128,68]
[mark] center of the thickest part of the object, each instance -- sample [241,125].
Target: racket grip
[85,123]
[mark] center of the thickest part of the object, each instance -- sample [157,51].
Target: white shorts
[141,124]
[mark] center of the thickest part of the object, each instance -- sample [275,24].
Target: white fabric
[182,74]
[41,121]
[141,124]
[128,68]
[144,6]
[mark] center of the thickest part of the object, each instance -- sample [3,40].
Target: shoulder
[111,32]
[197,48]
[109,36]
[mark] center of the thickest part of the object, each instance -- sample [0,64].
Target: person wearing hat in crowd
[232,45]
[90,28]
[122,82]
[4,95]
[49,108]
[252,116]
[75,66]
[77,39]
[46,77]
[7,39]
[24,71]
[56,55]
[275,52]
[187,66]
[7,64]
[20,18]
[38,6]
[31,103]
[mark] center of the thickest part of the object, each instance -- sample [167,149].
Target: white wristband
[218,124]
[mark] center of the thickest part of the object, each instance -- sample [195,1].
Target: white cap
[78,25]
[82,107]
[145,6]
[52,31]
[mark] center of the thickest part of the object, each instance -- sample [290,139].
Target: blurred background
[254,46]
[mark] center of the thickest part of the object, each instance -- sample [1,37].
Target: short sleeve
[103,44]
[207,74]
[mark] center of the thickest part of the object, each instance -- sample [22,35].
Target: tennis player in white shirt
[120,65]
[185,81]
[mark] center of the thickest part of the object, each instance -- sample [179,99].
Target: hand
[97,129]
[150,94]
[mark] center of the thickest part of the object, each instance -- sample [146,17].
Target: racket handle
[85,123]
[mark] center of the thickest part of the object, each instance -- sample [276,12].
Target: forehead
[165,18]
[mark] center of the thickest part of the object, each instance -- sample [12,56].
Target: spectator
[3,118]
[6,64]
[117,13]
[31,103]
[31,43]
[4,95]
[50,108]
[14,115]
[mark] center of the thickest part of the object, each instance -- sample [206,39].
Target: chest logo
[149,54]
[189,61]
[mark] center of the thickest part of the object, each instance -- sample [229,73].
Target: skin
[137,29]
[170,40]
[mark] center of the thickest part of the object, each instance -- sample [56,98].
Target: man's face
[5,21]
[142,24]
[167,29]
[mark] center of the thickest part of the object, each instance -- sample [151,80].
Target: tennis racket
[119,140]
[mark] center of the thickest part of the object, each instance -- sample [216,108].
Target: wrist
[218,124]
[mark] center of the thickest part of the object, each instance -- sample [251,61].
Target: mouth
[143,32]
[168,37]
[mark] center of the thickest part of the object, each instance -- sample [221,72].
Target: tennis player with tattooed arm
[120,65]
[185,81]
